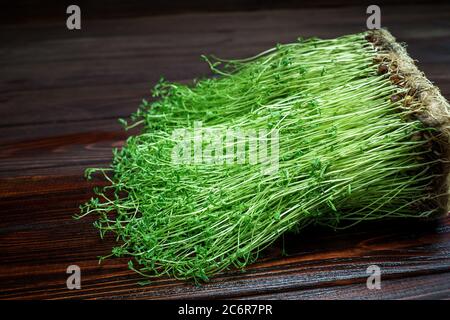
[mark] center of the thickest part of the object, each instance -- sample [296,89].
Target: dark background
[62,91]
[34,10]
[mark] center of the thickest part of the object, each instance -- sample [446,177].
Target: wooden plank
[102,73]
[420,287]
[36,253]
[34,10]
[104,70]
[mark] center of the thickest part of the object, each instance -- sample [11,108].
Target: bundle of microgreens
[359,139]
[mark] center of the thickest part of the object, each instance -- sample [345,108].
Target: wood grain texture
[61,93]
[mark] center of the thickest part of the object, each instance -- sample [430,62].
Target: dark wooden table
[61,93]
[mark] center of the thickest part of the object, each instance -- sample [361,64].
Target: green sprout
[346,155]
